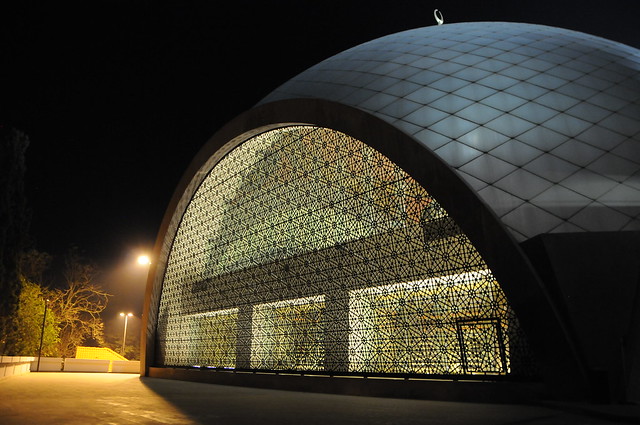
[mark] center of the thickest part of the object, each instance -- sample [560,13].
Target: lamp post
[124,336]
[44,321]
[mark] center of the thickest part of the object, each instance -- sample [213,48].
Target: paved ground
[101,398]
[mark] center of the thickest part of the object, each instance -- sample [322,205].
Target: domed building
[448,212]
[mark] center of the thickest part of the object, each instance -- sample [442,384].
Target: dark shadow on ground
[218,404]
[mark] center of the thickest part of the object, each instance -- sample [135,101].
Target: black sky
[118,96]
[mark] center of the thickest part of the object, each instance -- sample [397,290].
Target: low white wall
[15,359]
[86,365]
[14,365]
[125,366]
[47,364]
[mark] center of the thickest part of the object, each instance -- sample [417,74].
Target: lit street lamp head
[144,260]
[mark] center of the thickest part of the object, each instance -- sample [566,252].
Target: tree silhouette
[14,223]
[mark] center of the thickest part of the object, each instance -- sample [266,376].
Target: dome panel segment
[549,100]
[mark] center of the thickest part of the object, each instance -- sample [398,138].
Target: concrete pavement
[108,398]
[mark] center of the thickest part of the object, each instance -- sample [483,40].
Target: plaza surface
[108,398]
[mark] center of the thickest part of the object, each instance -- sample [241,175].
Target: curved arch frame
[561,363]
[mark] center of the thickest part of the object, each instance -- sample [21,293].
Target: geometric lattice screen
[305,249]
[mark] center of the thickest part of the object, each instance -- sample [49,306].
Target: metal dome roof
[543,123]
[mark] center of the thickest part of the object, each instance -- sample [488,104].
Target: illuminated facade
[305,249]
[396,211]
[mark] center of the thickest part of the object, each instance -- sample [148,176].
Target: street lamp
[124,336]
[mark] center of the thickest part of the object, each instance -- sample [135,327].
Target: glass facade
[304,249]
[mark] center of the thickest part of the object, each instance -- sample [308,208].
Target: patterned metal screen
[305,249]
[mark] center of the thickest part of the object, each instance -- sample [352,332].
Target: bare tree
[77,307]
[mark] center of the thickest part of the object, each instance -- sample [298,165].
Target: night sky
[118,96]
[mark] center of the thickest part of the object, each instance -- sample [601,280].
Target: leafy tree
[24,338]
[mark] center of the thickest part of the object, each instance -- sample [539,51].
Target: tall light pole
[124,336]
[44,321]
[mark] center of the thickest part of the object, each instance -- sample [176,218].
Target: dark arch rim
[561,363]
